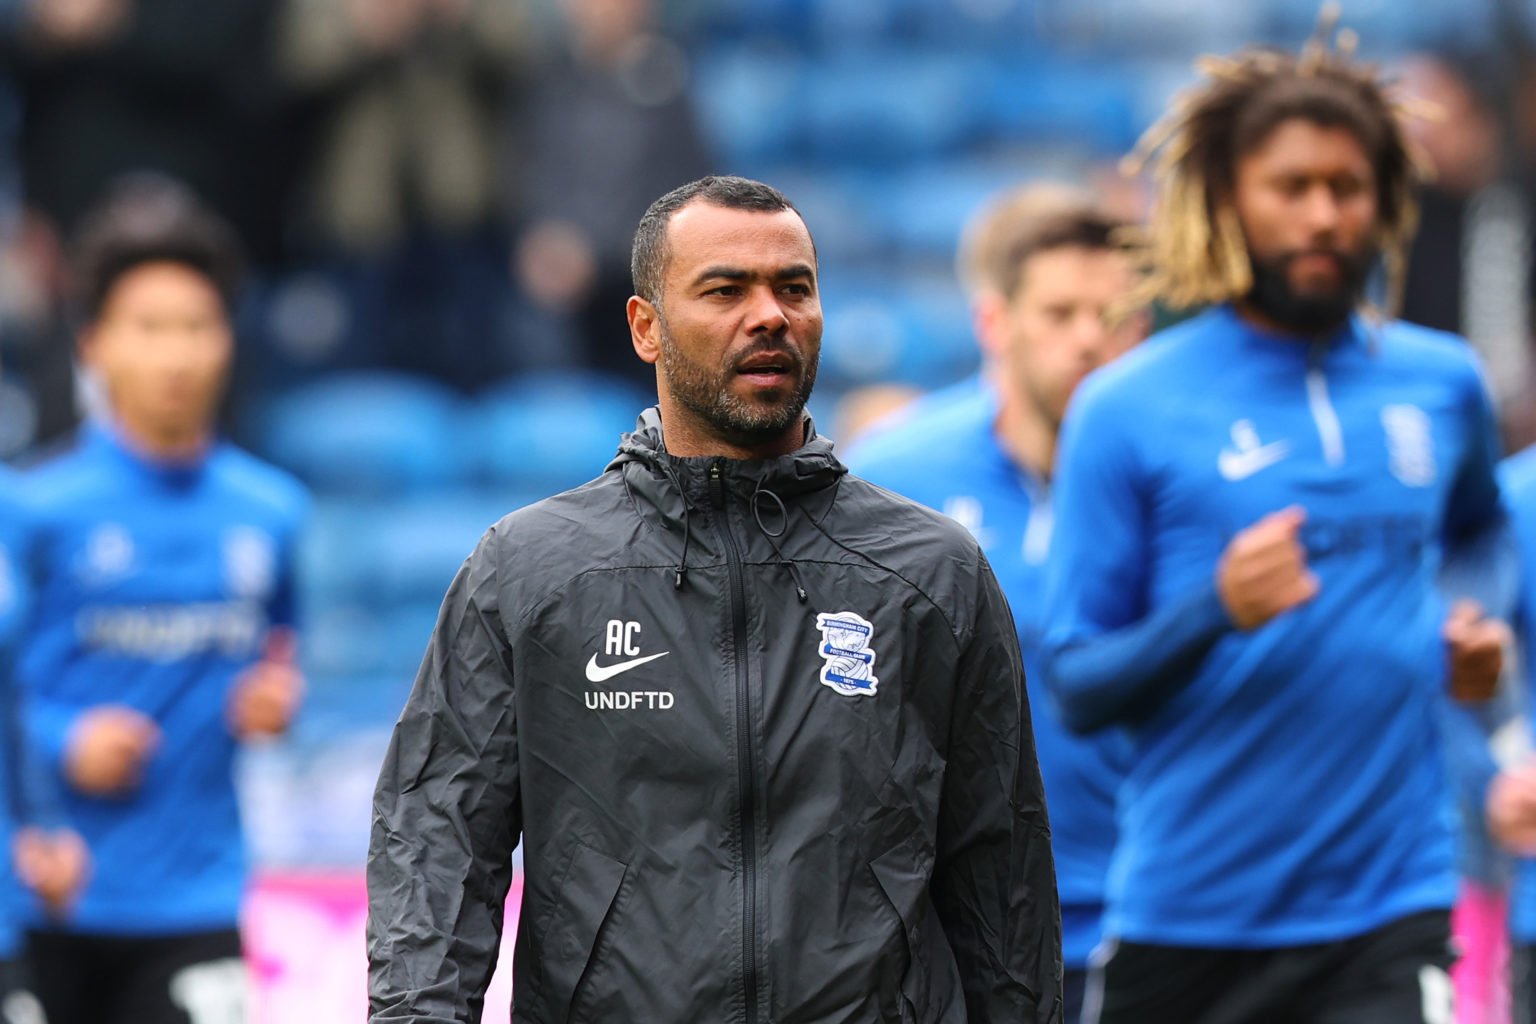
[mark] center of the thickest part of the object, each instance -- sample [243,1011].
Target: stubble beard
[708,395]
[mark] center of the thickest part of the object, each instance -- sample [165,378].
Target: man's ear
[988,313]
[644,328]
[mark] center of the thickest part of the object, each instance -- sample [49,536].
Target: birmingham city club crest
[850,662]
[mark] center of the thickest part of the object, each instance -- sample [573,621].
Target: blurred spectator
[401,200]
[413,91]
[1470,270]
[163,633]
[111,88]
[183,87]
[607,126]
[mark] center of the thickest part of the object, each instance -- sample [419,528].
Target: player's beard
[1273,295]
[706,391]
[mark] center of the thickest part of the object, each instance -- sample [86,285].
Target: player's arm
[446,816]
[1106,657]
[1480,554]
[994,882]
[266,697]
[49,858]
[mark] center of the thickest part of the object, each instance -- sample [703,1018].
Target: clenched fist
[107,749]
[51,864]
[1263,572]
[1512,809]
[267,695]
[1474,647]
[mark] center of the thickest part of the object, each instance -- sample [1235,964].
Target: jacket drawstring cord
[757,514]
[681,572]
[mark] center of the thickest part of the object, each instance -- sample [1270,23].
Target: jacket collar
[810,469]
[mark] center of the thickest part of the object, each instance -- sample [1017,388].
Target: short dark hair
[1080,226]
[150,219]
[648,258]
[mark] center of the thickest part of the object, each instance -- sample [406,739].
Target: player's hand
[1511,809]
[1475,647]
[1264,570]
[107,749]
[267,695]
[52,864]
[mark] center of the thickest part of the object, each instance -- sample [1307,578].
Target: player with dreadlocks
[1253,510]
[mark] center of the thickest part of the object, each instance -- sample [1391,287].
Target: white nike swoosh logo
[599,673]
[1235,465]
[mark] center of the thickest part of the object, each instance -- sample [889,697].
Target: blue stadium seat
[335,706]
[417,546]
[548,432]
[929,204]
[341,640]
[871,107]
[747,99]
[836,205]
[975,25]
[408,630]
[334,552]
[880,330]
[369,434]
[1091,105]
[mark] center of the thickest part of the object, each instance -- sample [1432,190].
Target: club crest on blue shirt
[250,563]
[108,555]
[845,648]
[1410,444]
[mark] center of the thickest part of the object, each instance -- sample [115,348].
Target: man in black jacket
[759,724]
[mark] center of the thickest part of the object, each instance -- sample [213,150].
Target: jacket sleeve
[446,816]
[994,882]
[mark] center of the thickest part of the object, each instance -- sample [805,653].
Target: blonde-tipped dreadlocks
[1194,246]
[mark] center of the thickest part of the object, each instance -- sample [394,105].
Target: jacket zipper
[1323,413]
[745,780]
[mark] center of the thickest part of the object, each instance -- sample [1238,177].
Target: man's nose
[1320,210]
[766,314]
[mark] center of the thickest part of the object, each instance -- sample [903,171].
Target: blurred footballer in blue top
[1252,511]
[164,627]
[1045,275]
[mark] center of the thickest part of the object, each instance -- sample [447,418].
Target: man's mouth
[1317,261]
[767,369]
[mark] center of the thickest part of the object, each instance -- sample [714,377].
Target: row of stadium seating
[1124,26]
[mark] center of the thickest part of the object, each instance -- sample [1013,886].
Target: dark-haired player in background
[164,627]
[1252,509]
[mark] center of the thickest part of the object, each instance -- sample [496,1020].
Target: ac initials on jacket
[620,641]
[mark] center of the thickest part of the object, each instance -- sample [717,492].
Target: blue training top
[1518,474]
[158,584]
[1288,784]
[14,552]
[948,457]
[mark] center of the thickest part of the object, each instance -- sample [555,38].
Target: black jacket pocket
[586,897]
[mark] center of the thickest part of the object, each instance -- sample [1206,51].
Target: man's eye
[798,289]
[1346,187]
